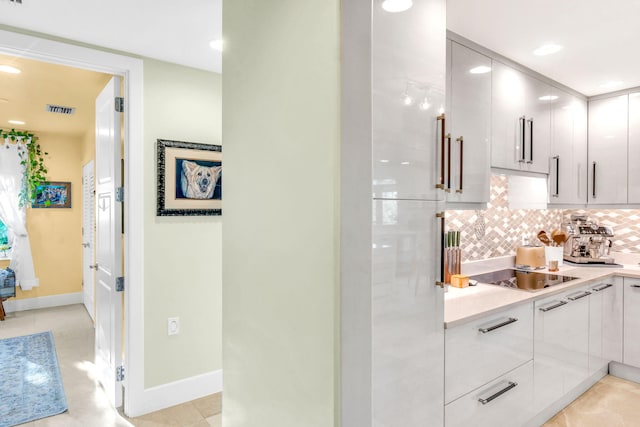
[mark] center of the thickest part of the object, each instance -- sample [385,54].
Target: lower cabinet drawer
[505,402]
[482,350]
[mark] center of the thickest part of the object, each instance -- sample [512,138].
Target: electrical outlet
[173,325]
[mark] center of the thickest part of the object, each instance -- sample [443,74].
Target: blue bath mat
[30,382]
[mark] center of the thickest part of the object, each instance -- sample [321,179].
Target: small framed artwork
[53,195]
[189,178]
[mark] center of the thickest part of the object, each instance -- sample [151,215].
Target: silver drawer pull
[576,297]
[497,394]
[499,325]
[551,307]
[635,286]
[603,287]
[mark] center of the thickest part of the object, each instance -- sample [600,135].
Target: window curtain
[12,175]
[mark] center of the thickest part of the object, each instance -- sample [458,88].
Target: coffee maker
[588,242]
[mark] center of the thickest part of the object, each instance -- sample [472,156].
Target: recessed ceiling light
[16,122]
[9,69]
[547,49]
[481,69]
[405,163]
[394,6]
[216,44]
[548,98]
[384,161]
[611,84]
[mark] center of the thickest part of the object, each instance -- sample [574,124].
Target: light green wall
[182,254]
[281,127]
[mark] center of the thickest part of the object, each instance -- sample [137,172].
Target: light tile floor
[611,402]
[88,405]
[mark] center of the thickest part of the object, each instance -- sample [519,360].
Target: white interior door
[88,238]
[108,350]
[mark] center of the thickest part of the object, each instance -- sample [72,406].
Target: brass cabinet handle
[461,141]
[441,119]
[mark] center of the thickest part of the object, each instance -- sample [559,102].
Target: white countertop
[465,304]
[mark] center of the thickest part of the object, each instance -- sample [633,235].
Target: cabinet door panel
[408,64]
[469,118]
[608,151]
[561,347]
[634,147]
[612,321]
[507,107]
[538,115]
[568,168]
[408,315]
[632,322]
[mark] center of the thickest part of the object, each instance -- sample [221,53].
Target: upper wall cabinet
[568,169]
[408,63]
[608,126]
[520,121]
[468,125]
[634,148]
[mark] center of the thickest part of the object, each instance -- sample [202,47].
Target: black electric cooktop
[521,279]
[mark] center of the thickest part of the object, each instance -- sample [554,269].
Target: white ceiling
[169,30]
[599,37]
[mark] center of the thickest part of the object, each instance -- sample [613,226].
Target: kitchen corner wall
[625,224]
[498,230]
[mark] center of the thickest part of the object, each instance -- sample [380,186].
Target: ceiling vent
[60,109]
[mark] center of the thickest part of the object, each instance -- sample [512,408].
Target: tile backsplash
[498,230]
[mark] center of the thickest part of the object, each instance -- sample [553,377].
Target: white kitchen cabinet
[634,148]
[505,402]
[568,168]
[607,171]
[468,122]
[408,66]
[480,351]
[521,120]
[631,322]
[407,315]
[561,345]
[605,323]
[407,75]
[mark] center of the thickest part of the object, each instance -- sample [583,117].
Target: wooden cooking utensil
[558,239]
[542,236]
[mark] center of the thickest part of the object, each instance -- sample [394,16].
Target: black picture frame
[186,173]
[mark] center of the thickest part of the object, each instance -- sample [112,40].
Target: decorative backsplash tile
[498,230]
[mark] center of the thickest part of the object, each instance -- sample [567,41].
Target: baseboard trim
[12,304]
[626,372]
[177,392]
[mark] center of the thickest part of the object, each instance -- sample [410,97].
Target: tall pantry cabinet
[399,316]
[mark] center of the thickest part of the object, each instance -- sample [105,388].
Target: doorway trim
[131,69]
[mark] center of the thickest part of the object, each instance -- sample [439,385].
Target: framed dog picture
[189,178]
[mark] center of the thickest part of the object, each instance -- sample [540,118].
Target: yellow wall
[56,234]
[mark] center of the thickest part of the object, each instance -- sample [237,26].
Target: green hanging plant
[33,160]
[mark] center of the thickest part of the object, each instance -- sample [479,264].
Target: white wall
[281,246]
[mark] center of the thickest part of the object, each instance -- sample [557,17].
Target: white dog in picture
[199,182]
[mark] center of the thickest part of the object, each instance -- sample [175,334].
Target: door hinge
[120,373]
[120,194]
[119,284]
[119,104]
